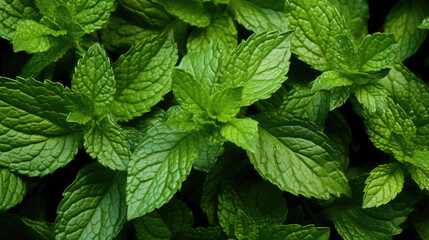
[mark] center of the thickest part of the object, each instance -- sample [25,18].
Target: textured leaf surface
[297,158]
[106,142]
[425,24]
[316,24]
[243,132]
[259,65]
[226,103]
[91,15]
[35,138]
[258,18]
[94,77]
[295,232]
[164,223]
[331,79]
[190,11]
[356,14]
[12,189]
[372,97]
[377,51]
[158,167]
[221,28]
[249,197]
[93,206]
[382,185]
[148,13]
[13,11]
[143,76]
[403,20]
[34,37]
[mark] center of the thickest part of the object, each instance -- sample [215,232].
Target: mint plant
[222,119]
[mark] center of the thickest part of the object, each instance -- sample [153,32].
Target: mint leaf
[377,51]
[312,105]
[316,24]
[205,65]
[246,197]
[39,61]
[12,189]
[425,24]
[148,13]
[292,148]
[221,28]
[164,223]
[91,15]
[258,65]
[158,167]
[143,76]
[210,146]
[403,20]
[33,37]
[226,103]
[14,227]
[210,233]
[412,95]
[382,185]
[243,132]
[345,56]
[93,205]
[245,227]
[295,232]
[331,79]
[372,97]
[35,138]
[190,11]
[390,129]
[120,34]
[93,77]
[190,93]
[420,176]
[258,17]
[106,142]
[11,13]
[356,14]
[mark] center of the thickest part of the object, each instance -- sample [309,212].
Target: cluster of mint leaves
[261,143]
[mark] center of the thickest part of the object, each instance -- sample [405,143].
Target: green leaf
[33,37]
[210,146]
[390,129]
[425,24]
[377,51]
[12,189]
[190,11]
[143,76]
[259,65]
[190,94]
[313,105]
[420,176]
[35,138]
[13,227]
[257,18]
[106,142]
[91,15]
[205,65]
[412,95]
[245,227]
[372,97]
[345,57]
[243,132]
[297,158]
[93,77]
[221,28]
[226,103]
[158,167]
[356,223]
[145,12]
[316,24]
[249,197]
[338,96]
[120,34]
[295,232]
[11,13]
[164,223]
[331,79]
[356,14]
[340,134]
[382,185]
[39,61]
[45,229]
[93,206]
[403,21]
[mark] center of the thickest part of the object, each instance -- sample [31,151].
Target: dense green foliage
[214,119]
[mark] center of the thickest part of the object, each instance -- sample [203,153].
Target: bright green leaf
[226,103]
[425,24]
[377,51]
[356,14]
[331,79]
[243,132]
[190,11]
[12,189]
[11,13]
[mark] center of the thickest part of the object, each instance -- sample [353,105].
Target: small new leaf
[243,132]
